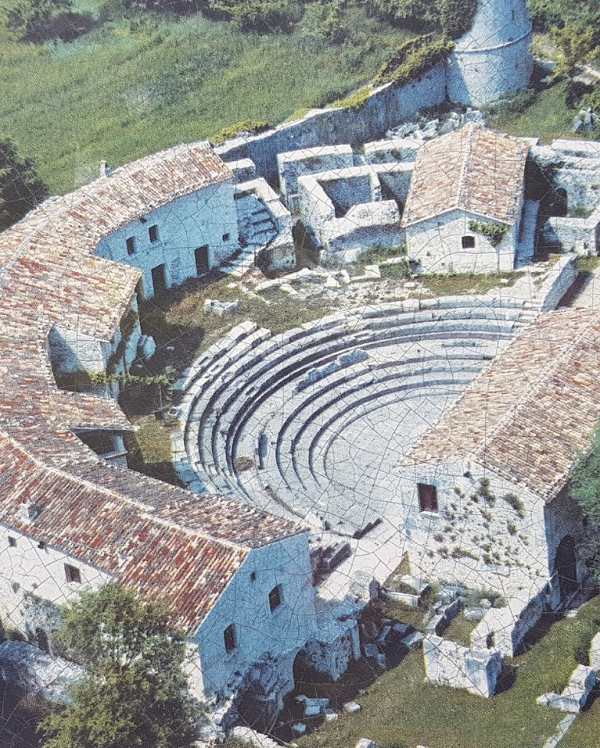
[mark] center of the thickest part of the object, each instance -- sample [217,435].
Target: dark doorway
[42,640]
[159,281]
[565,567]
[202,260]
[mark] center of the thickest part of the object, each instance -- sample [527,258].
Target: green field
[123,91]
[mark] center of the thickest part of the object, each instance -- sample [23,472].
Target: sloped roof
[155,537]
[533,412]
[472,169]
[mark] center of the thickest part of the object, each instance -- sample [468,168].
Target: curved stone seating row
[265,416]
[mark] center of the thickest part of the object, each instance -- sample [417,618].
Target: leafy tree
[578,43]
[134,693]
[21,189]
[30,19]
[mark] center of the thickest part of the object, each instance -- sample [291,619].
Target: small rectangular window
[130,245]
[275,598]
[428,501]
[153,233]
[72,574]
[226,237]
[468,242]
[230,638]
[42,545]
[12,541]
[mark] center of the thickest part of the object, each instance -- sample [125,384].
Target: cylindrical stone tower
[494,59]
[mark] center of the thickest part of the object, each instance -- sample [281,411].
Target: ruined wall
[386,107]
[580,235]
[295,164]
[450,664]
[207,217]
[437,245]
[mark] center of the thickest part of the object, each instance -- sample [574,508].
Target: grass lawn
[400,710]
[451,285]
[119,92]
[548,116]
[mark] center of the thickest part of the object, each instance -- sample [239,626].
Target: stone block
[414,640]
[595,653]
[366,743]
[299,728]
[330,715]
[221,308]
[351,707]
[474,614]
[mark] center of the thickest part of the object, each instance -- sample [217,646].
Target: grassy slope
[117,94]
[400,709]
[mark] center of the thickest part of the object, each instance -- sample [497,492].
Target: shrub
[452,17]
[249,126]
[414,58]
[516,503]
[257,15]
[31,19]
[495,232]
[21,189]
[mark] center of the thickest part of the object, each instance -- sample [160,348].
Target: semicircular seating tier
[309,423]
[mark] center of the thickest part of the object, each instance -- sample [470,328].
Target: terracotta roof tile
[471,169]
[534,411]
[130,526]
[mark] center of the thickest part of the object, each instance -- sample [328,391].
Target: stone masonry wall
[387,107]
[487,533]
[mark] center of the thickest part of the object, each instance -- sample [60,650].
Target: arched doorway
[565,567]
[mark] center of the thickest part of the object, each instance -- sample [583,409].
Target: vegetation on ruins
[585,488]
[397,708]
[134,692]
[21,189]
[495,232]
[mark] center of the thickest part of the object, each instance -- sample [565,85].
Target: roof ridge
[466,163]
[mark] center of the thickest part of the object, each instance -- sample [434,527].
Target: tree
[21,189]
[135,693]
[30,19]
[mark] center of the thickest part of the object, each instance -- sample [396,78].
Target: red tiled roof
[471,169]
[130,526]
[533,413]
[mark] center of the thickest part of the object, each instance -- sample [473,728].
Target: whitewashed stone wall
[560,279]
[33,582]
[260,633]
[580,235]
[369,220]
[505,628]
[479,542]
[436,244]
[294,164]
[207,217]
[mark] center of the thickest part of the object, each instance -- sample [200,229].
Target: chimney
[105,170]
[29,511]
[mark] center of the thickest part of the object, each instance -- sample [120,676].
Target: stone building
[237,580]
[194,231]
[465,205]
[487,495]
[493,59]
